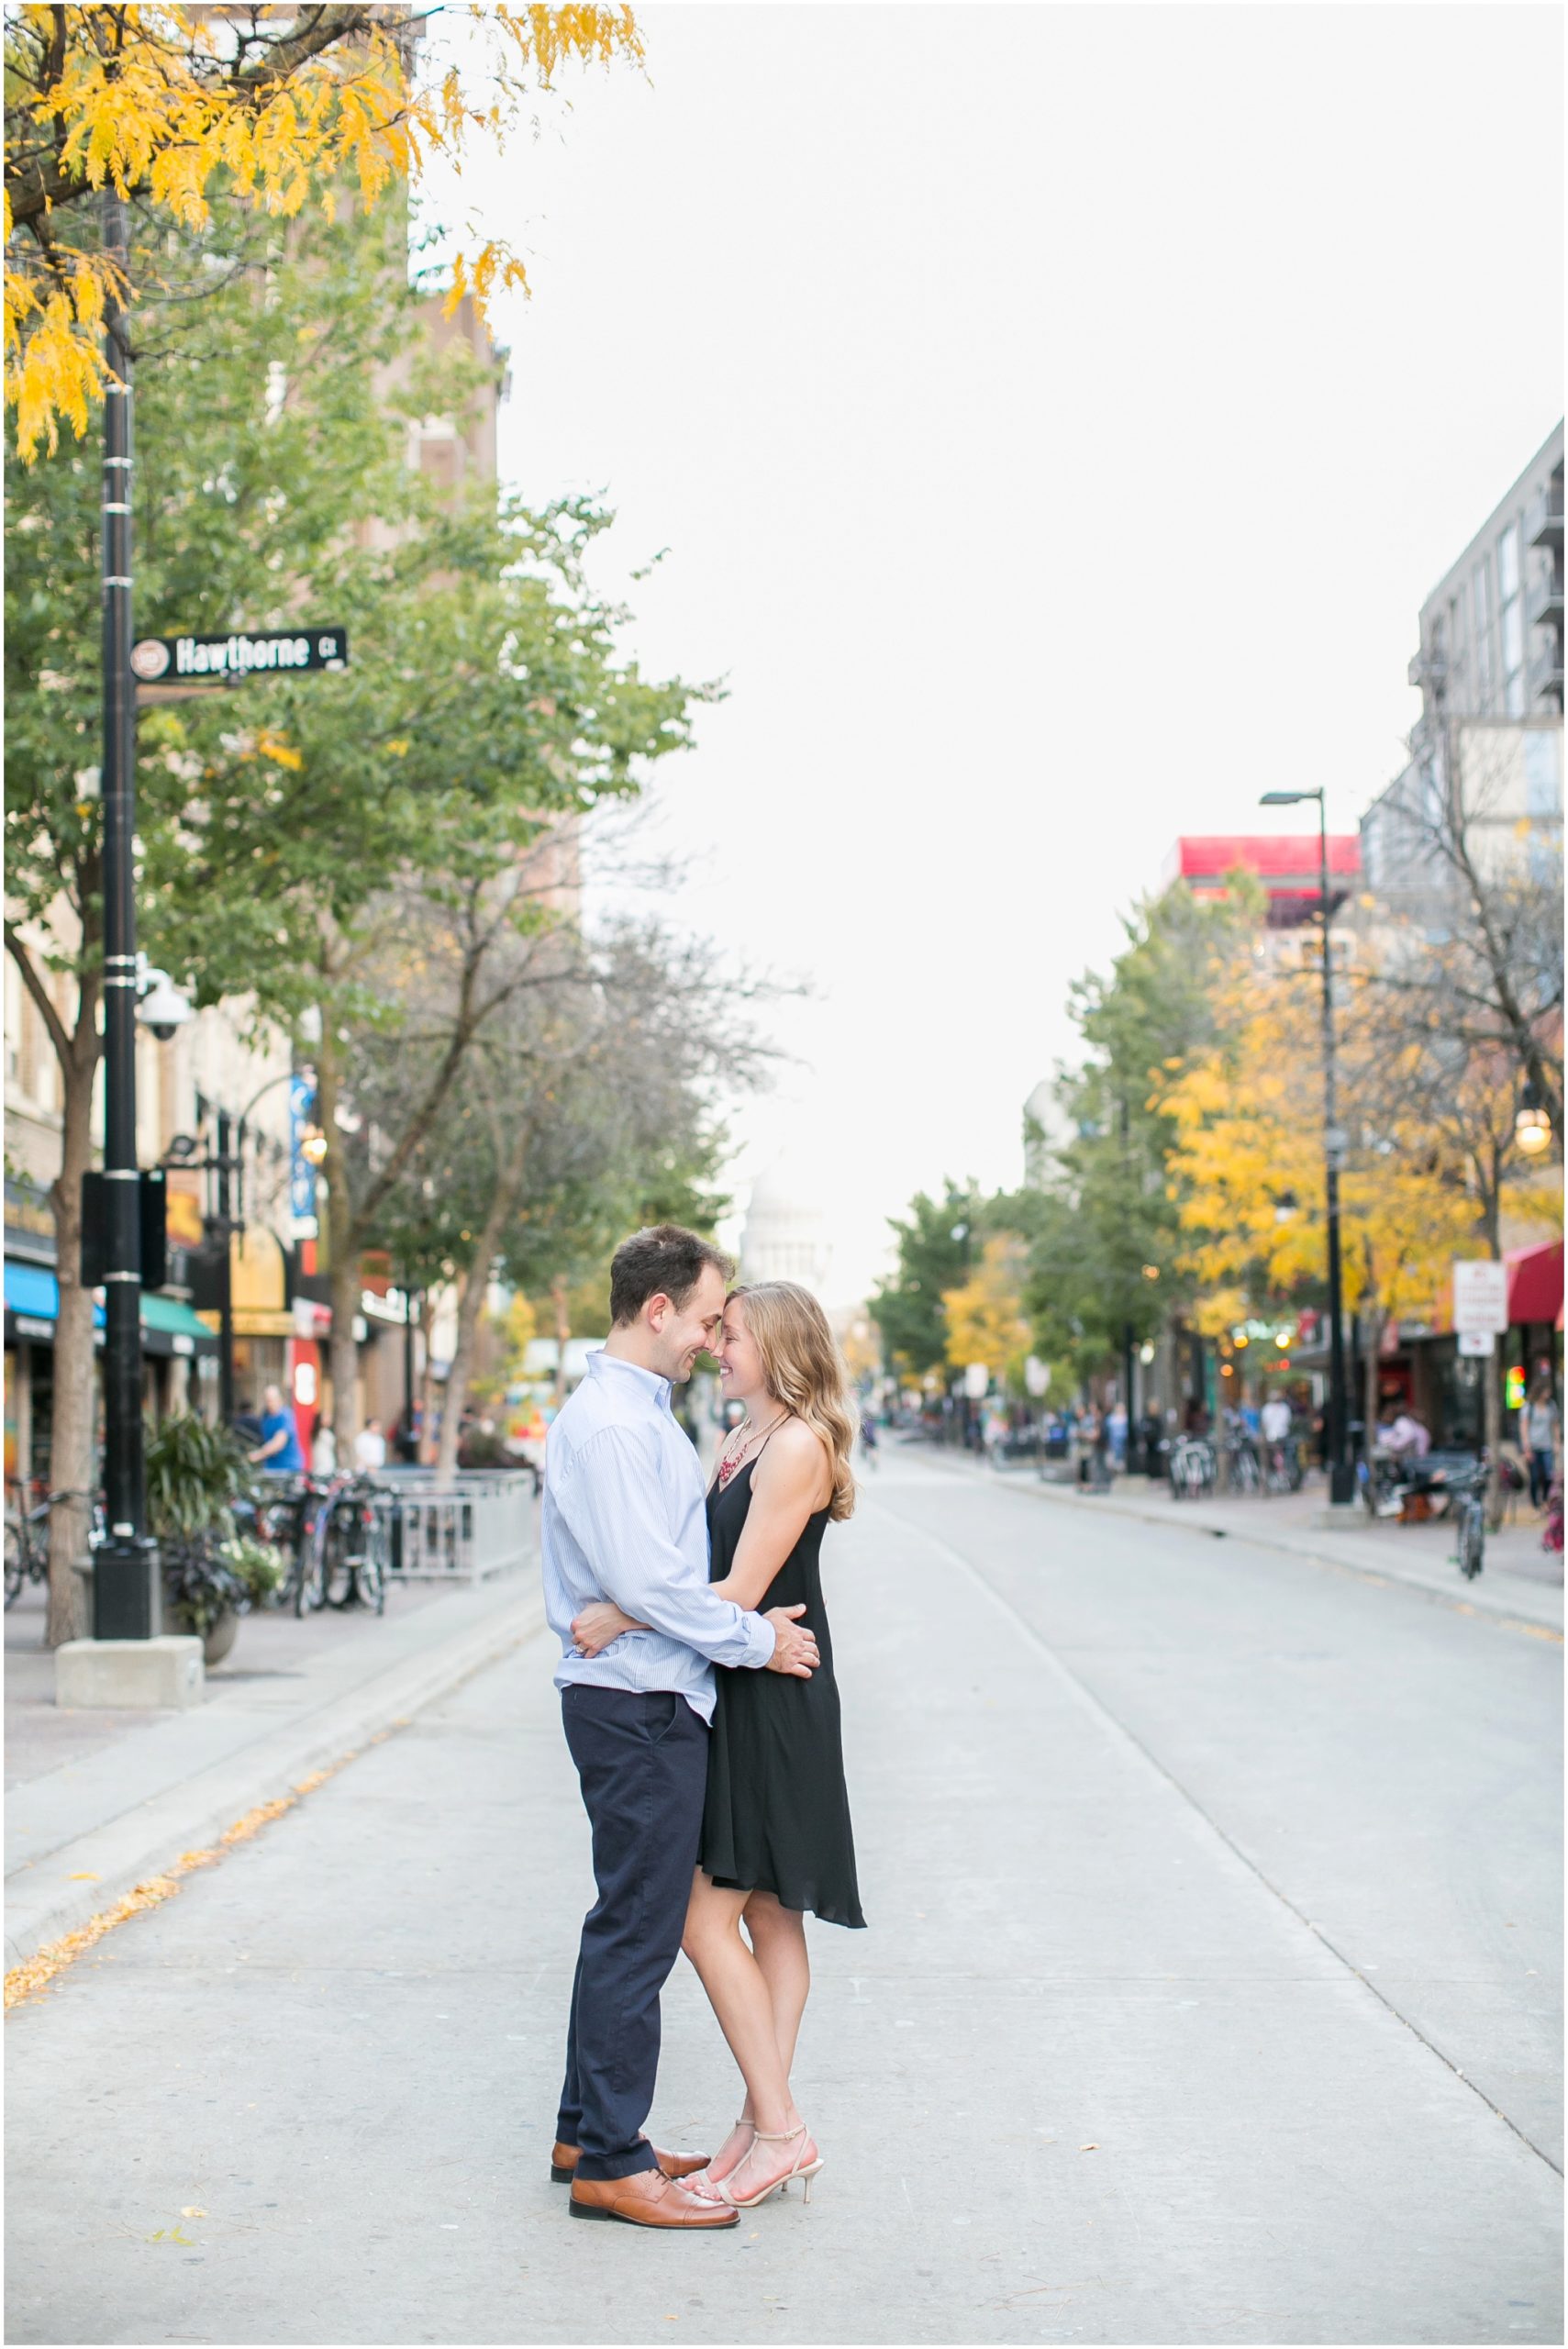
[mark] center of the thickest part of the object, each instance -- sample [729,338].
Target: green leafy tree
[938,1242]
[1107,1241]
[255,405]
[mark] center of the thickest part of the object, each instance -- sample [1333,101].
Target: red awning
[1535,1281]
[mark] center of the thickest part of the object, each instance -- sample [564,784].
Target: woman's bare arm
[791,1478]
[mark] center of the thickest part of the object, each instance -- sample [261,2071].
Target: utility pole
[1341,1475]
[1341,1471]
[226,1226]
[126,1589]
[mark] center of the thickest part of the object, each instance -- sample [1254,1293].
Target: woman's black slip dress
[777,1816]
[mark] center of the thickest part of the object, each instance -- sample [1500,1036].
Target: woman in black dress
[776,1838]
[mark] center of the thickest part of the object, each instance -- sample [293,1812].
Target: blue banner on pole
[302,1173]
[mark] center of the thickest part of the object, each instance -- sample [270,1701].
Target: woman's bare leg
[739,1993]
[778,1942]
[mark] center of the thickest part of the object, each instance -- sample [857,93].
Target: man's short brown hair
[665,1260]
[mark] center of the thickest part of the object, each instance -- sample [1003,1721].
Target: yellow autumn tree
[282,107]
[985,1320]
[1248,1165]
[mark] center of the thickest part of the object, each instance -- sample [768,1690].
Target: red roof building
[1284,863]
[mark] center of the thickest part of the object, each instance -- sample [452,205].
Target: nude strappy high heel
[712,2189]
[803,2169]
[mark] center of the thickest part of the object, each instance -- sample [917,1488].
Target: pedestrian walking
[624,1520]
[869,1439]
[776,1839]
[1542,1439]
[370,1447]
[279,1451]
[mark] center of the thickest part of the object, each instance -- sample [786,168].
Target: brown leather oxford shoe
[647,2198]
[564,2161]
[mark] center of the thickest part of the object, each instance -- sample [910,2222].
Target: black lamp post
[1341,1471]
[125,1585]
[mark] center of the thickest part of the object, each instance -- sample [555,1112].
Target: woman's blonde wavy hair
[805,1369]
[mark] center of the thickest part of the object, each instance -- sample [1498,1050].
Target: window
[1486,649]
[1543,784]
[1509,564]
[1510,621]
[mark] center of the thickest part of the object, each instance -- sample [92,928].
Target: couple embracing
[697,1692]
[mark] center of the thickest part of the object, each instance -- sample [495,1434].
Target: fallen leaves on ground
[37,1973]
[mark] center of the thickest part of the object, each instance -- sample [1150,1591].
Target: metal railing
[462,1531]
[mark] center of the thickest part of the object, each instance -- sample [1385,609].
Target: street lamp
[1532,1126]
[1341,1474]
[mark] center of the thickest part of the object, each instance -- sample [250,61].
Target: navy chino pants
[643,1764]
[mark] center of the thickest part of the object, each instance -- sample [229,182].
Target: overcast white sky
[1055,416]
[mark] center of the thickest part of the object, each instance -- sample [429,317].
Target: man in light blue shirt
[624,1519]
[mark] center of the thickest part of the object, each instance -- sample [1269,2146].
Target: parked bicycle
[1283,1468]
[1193,1467]
[1242,1473]
[290,1513]
[27,1537]
[356,1548]
[1467,1506]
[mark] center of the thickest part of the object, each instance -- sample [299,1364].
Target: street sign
[977,1381]
[283,652]
[1036,1377]
[1478,1341]
[1480,1294]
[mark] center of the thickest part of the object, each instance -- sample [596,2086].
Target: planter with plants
[212,1573]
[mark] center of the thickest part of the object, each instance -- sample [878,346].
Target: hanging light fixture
[1532,1126]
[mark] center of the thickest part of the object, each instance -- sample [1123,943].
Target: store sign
[302,1173]
[285,652]
[1480,1295]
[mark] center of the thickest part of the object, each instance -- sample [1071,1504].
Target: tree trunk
[471,1299]
[342,1254]
[472,1304]
[425,1452]
[73,1447]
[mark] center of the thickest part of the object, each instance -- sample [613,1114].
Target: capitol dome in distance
[785,1237]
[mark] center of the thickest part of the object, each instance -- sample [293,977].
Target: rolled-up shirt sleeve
[609,1499]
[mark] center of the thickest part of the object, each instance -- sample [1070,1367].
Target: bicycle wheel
[371,1571]
[1472,1540]
[340,1555]
[310,1590]
[16,1562]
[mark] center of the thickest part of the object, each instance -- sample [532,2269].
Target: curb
[148,1839]
[1474,1599]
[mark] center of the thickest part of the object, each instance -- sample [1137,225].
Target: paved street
[1209,1994]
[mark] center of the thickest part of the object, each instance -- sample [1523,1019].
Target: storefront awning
[32,1289]
[169,1327]
[1535,1282]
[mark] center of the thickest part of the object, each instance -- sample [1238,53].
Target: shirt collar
[612,1366]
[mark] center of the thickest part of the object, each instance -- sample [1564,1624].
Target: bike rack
[464,1531]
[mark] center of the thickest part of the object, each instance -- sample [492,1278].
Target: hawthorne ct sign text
[155,658]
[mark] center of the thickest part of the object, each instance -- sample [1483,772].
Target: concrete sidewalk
[1520,1581]
[98,1801]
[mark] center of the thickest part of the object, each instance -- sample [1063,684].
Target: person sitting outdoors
[1402,1434]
